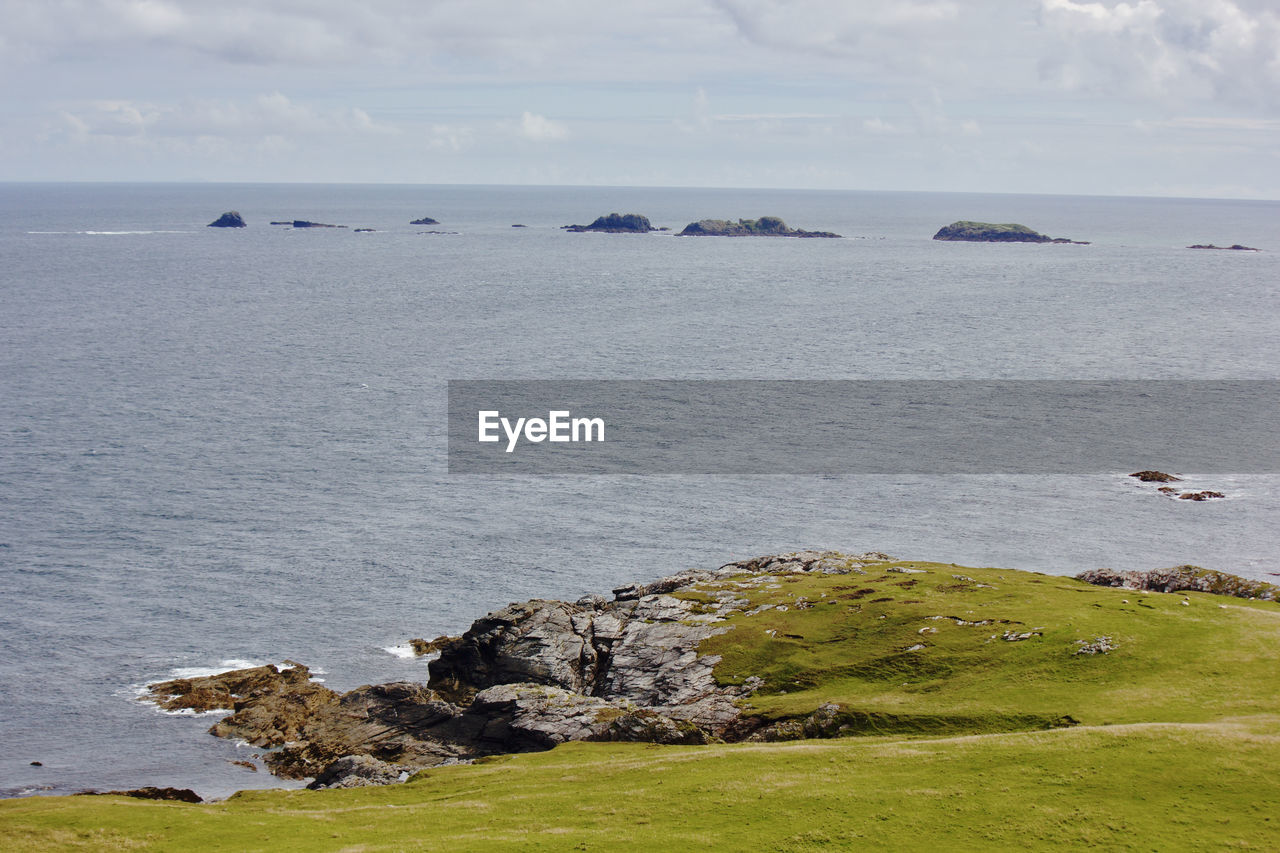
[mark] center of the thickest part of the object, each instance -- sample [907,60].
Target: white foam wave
[402,651]
[202,671]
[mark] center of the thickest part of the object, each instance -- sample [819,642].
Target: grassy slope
[1187,762]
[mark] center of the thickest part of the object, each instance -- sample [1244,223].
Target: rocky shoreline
[540,673]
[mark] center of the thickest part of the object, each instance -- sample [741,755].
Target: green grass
[1177,750]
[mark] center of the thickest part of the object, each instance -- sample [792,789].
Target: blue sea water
[228,446]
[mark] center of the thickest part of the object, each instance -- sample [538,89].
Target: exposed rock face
[426,220]
[987,232]
[616,223]
[1182,578]
[1155,477]
[357,771]
[230,219]
[765,226]
[1237,247]
[526,677]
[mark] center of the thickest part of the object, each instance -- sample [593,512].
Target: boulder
[357,771]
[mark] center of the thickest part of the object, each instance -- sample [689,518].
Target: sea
[226,447]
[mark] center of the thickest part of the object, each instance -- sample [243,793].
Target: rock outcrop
[526,677]
[616,223]
[1155,477]
[1237,247]
[1183,579]
[765,226]
[230,219]
[426,220]
[987,232]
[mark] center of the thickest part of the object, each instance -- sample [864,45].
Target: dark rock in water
[518,225]
[363,230]
[1237,247]
[302,223]
[1156,477]
[1183,578]
[181,795]
[426,220]
[616,223]
[247,765]
[1200,496]
[765,226]
[987,232]
[1167,490]
[230,219]
[37,764]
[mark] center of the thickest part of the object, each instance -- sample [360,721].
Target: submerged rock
[765,226]
[1200,496]
[230,219]
[987,232]
[616,223]
[303,223]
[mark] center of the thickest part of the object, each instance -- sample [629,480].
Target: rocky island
[303,223]
[987,232]
[230,219]
[765,226]
[426,220]
[616,223]
[1236,247]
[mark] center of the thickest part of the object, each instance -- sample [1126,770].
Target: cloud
[1177,50]
[267,115]
[541,129]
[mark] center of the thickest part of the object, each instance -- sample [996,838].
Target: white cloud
[1176,50]
[542,129]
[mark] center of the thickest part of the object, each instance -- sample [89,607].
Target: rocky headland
[230,219]
[645,665]
[765,226]
[616,223]
[987,232]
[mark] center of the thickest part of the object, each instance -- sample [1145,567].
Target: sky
[1142,97]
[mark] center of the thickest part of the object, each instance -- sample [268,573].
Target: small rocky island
[616,223]
[1236,248]
[765,226]
[230,219]
[987,232]
[426,220]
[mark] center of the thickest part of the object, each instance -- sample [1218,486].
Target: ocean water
[222,447]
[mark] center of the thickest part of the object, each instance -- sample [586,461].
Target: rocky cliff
[527,677]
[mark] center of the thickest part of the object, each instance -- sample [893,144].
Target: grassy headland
[974,717]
